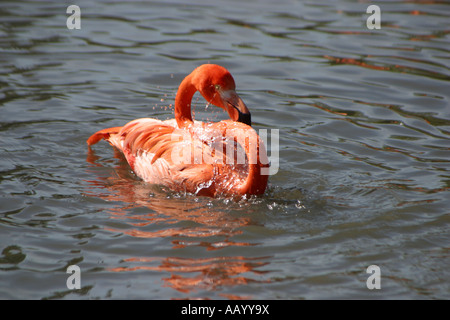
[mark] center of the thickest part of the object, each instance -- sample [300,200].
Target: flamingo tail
[102,134]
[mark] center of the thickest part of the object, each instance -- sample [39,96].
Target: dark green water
[364,136]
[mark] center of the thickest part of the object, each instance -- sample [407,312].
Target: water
[364,177]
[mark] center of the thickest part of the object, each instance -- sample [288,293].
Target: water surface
[364,177]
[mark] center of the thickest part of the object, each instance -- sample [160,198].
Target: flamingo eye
[217,87]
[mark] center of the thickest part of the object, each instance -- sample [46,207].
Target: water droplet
[272,206]
[299,205]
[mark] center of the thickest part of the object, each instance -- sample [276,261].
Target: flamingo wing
[152,149]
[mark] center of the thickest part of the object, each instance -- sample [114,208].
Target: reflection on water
[194,223]
[209,274]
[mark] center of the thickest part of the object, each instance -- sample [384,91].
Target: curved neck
[256,181]
[258,162]
[183,101]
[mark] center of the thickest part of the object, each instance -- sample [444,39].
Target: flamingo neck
[183,101]
[256,182]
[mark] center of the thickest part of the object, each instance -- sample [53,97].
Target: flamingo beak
[236,108]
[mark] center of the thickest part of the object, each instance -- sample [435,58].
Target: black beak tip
[245,118]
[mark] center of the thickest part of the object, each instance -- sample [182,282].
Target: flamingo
[192,156]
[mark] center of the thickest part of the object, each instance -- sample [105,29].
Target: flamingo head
[217,86]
